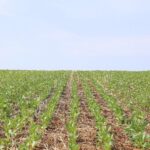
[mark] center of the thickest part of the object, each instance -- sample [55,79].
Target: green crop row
[34,88]
[110,85]
[103,136]
[21,92]
[74,113]
[37,130]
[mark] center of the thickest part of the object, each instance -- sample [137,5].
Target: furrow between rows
[120,138]
[2,133]
[56,136]
[86,125]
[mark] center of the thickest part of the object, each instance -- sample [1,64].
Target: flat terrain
[74,110]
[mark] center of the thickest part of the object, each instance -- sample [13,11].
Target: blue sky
[75,34]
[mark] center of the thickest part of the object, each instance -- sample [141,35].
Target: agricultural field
[74,110]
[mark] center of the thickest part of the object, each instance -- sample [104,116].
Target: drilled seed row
[55,136]
[75,117]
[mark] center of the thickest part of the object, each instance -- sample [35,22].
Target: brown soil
[2,133]
[121,141]
[127,113]
[86,125]
[148,125]
[55,136]
[148,129]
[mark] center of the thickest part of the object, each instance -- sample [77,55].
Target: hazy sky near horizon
[75,34]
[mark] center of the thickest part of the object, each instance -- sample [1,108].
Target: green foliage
[21,92]
[74,113]
[126,90]
[104,138]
